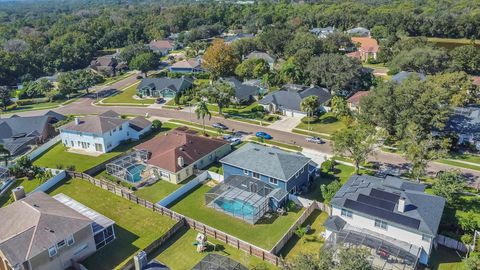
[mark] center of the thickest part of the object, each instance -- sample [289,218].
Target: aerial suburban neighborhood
[233,135]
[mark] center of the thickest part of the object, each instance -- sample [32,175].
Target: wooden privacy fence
[192,223]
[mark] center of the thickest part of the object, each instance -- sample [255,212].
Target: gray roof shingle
[266,160]
[403,75]
[176,85]
[242,91]
[425,208]
[290,96]
[465,120]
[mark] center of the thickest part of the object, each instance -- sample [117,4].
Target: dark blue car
[264,135]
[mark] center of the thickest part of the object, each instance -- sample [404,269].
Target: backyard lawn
[309,243]
[136,227]
[126,96]
[445,259]
[58,154]
[29,185]
[264,234]
[179,253]
[158,191]
[341,173]
[327,124]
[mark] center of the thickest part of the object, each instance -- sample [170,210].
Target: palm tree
[309,105]
[5,154]
[202,110]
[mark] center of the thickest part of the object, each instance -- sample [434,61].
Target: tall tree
[144,62]
[310,105]
[5,97]
[219,59]
[449,185]
[356,142]
[202,111]
[425,60]
[466,58]
[220,93]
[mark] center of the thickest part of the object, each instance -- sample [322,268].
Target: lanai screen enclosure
[131,167]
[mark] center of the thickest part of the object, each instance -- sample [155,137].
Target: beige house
[45,233]
[176,156]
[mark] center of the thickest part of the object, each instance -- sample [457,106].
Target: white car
[234,141]
[316,140]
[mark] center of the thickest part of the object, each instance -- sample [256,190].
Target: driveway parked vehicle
[316,140]
[263,135]
[220,126]
[160,100]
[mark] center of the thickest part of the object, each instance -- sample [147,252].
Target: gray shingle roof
[242,91]
[268,161]
[30,125]
[35,223]
[94,124]
[403,75]
[290,96]
[425,208]
[261,55]
[465,120]
[176,85]
[359,31]
[334,223]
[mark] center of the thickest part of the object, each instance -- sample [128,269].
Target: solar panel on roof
[387,205]
[384,195]
[383,214]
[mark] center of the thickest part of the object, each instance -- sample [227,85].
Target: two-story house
[102,133]
[392,216]
[44,233]
[288,171]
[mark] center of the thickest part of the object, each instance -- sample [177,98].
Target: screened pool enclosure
[244,198]
[131,167]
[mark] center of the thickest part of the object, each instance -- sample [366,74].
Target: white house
[393,218]
[287,100]
[102,133]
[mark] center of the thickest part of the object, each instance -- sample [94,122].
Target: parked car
[316,140]
[160,100]
[220,126]
[263,135]
[227,137]
[234,141]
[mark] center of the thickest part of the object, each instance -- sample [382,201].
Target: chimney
[18,193]
[401,204]
[180,161]
[77,121]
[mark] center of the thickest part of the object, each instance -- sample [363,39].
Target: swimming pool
[236,207]
[135,173]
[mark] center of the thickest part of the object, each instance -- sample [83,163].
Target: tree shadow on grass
[115,252]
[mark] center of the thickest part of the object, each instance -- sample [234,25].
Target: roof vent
[181,161]
[181,149]
[256,149]
[271,153]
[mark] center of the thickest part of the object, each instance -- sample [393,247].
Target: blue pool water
[136,171]
[236,207]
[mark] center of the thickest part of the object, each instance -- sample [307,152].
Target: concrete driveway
[285,124]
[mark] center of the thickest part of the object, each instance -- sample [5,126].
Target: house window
[303,169]
[52,251]
[245,172]
[273,181]
[380,224]
[296,175]
[61,244]
[346,213]
[256,175]
[110,133]
[120,128]
[210,157]
[70,240]
[114,130]
[426,238]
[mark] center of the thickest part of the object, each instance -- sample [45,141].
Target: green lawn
[263,234]
[215,167]
[459,164]
[241,113]
[199,126]
[112,80]
[341,173]
[29,185]
[179,253]
[279,144]
[456,160]
[58,155]
[309,243]
[327,123]
[135,227]
[126,96]
[445,259]
[158,191]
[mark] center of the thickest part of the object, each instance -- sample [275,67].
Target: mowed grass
[126,96]
[179,253]
[157,191]
[327,123]
[310,243]
[135,227]
[287,146]
[264,234]
[341,173]
[29,185]
[59,156]
[445,259]
[459,164]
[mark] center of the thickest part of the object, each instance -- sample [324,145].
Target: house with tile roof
[175,156]
[193,65]
[393,216]
[162,47]
[50,233]
[367,48]
[287,100]
[164,87]
[288,171]
[353,102]
[102,133]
